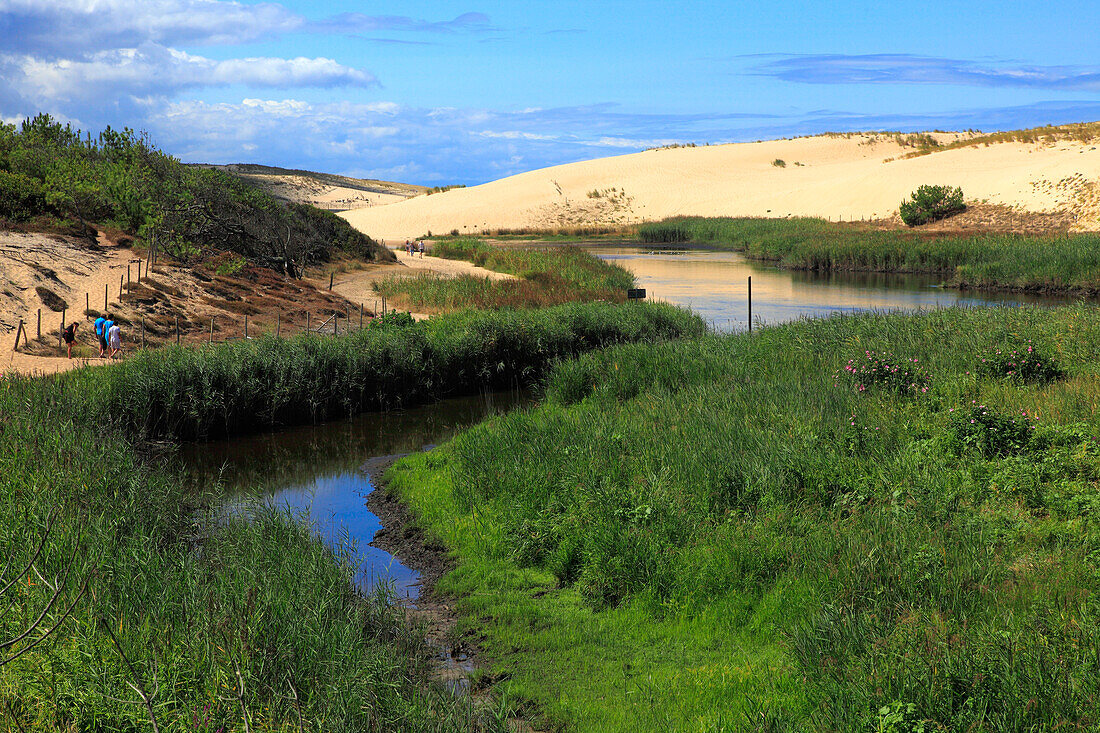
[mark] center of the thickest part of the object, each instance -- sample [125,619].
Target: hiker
[408,248]
[106,333]
[114,340]
[420,247]
[69,335]
[101,334]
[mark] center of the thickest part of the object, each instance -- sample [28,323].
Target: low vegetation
[1067,263]
[544,277]
[870,523]
[131,602]
[119,180]
[931,203]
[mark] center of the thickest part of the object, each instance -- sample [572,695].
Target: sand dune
[850,177]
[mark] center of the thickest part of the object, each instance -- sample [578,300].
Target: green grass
[728,534]
[1068,263]
[544,277]
[175,598]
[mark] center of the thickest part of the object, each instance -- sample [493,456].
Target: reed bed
[777,532]
[148,607]
[544,277]
[1068,263]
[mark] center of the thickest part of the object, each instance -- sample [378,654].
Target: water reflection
[715,285]
[317,469]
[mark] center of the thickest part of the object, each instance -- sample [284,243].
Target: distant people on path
[69,335]
[101,334]
[408,248]
[420,248]
[114,340]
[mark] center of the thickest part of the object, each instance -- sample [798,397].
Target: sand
[68,267]
[837,177]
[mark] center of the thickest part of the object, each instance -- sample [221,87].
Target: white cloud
[157,70]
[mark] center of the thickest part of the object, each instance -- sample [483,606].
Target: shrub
[21,197]
[779,163]
[1024,363]
[931,203]
[886,372]
[991,433]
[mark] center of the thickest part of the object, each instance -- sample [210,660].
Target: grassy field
[147,603]
[544,277]
[1059,264]
[871,523]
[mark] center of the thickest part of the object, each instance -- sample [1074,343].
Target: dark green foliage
[21,197]
[991,433]
[931,203]
[121,179]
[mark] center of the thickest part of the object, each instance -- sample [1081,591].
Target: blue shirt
[99,329]
[107,327]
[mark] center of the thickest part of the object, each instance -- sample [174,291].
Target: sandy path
[357,286]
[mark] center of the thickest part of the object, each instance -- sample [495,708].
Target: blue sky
[465,92]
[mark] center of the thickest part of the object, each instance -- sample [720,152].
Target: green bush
[931,203]
[20,197]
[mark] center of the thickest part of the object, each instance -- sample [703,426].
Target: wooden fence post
[127,273]
[750,303]
[278,323]
[17,332]
[307,322]
[246,325]
[143,333]
[211,329]
[177,330]
[120,288]
[105,297]
[360,316]
[39,323]
[62,331]
[331,275]
[87,304]
[335,320]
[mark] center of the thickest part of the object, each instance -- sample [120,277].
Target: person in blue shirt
[106,332]
[101,334]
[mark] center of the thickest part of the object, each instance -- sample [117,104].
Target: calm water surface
[316,469]
[715,285]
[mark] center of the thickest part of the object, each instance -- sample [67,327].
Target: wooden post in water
[750,303]
[39,323]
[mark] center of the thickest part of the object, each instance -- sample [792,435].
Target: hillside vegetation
[51,172]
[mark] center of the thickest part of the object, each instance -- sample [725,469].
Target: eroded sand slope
[854,176]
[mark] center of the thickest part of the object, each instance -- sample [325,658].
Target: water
[715,285]
[317,469]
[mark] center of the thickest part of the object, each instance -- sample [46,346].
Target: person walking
[101,334]
[114,340]
[68,336]
[420,248]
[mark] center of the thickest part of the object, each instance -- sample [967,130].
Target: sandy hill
[323,190]
[849,176]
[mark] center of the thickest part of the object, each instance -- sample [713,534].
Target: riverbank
[1065,264]
[198,619]
[777,531]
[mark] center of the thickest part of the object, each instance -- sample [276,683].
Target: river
[715,285]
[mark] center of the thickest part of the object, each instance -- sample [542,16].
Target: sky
[467,91]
